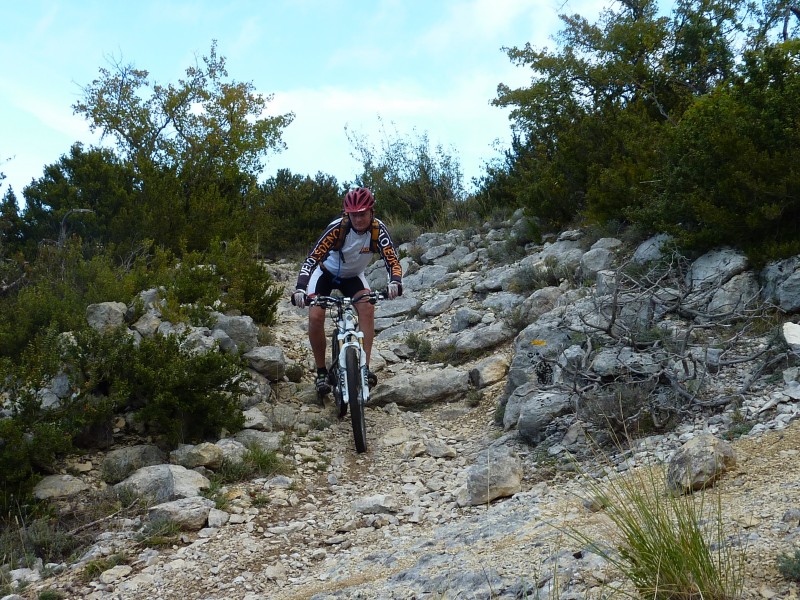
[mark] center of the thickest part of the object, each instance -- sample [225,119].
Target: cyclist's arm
[318,254]
[389,254]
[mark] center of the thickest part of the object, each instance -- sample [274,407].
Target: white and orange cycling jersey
[352,256]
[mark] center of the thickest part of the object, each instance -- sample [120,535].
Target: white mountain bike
[348,372]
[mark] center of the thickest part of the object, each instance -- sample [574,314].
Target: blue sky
[417,66]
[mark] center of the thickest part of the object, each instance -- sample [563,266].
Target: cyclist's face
[361,219]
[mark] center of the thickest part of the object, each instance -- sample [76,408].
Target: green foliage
[668,547]
[474,398]
[517,319]
[26,449]
[531,278]
[731,178]
[403,231]
[94,568]
[178,396]
[289,212]
[411,181]
[92,180]
[682,123]
[11,226]
[194,168]
[620,410]
[225,277]
[60,283]
[256,462]
[420,346]
[27,538]
[506,252]
[184,397]
[216,493]
[789,566]
[159,533]
[247,285]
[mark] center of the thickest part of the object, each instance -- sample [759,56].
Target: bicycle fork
[352,339]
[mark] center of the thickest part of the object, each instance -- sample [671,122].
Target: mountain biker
[338,261]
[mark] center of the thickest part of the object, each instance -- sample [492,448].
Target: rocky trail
[409,538]
[391,523]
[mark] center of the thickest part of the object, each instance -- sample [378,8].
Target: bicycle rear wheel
[354,399]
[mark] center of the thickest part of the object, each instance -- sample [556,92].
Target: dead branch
[6,288]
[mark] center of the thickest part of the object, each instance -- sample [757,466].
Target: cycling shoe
[322,385]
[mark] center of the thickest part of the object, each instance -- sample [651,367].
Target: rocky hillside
[495,372]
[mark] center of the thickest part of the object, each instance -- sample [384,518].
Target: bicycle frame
[349,360]
[348,335]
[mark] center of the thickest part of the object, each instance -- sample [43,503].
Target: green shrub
[620,409]
[185,397]
[415,252]
[256,462]
[32,536]
[159,533]
[225,277]
[789,566]
[668,547]
[499,413]
[474,398]
[216,493]
[505,252]
[531,278]
[517,319]
[26,450]
[177,395]
[420,346]
[60,284]
[247,284]
[403,231]
[94,568]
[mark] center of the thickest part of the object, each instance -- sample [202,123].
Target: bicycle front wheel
[354,399]
[333,378]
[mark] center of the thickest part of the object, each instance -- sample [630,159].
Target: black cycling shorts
[323,283]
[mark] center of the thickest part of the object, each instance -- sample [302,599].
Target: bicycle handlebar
[328,301]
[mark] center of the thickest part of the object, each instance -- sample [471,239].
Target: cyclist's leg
[316,334]
[319,284]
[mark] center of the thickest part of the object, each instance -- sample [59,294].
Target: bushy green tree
[60,282]
[411,179]
[592,124]
[226,276]
[289,211]
[93,180]
[732,171]
[10,224]
[196,146]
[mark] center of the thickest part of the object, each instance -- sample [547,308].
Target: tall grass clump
[669,547]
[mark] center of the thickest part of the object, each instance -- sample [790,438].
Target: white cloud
[247,38]
[53,112]
[45,22]
[461,119]
[471,25]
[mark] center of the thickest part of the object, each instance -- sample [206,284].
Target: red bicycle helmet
[358,199]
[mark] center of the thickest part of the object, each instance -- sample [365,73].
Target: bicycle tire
[354,398]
